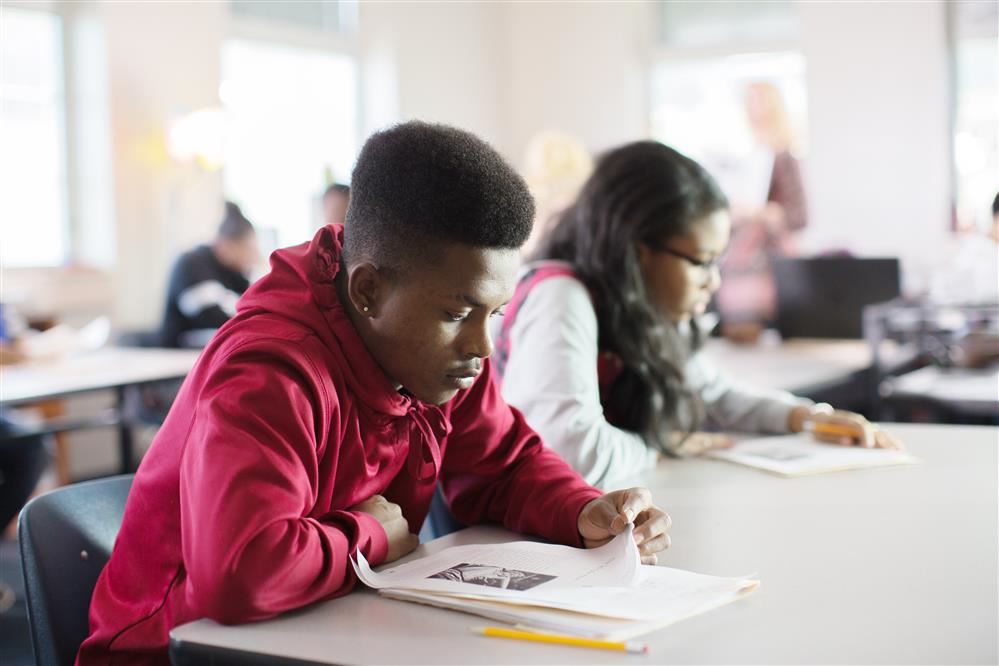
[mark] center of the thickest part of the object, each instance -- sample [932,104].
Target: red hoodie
[238,511]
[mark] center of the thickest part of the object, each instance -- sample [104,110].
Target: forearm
[285,565]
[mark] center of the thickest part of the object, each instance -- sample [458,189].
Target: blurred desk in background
[833,371]
[111,368]
[962,391]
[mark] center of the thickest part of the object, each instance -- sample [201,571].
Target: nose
[714,278]
[478,343]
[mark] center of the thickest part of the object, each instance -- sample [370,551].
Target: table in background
[888,565]
[112,368]
[964,391]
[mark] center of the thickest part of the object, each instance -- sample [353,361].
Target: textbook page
[520,569]
[609,581]
[801,454]
[675,595]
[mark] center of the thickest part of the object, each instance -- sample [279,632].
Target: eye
[456,316]
[498,313]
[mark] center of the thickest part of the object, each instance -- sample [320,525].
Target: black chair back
[66,537]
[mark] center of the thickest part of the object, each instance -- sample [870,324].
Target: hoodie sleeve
[496,469]
[248,484]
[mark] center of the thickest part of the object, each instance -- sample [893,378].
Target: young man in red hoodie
[319,420]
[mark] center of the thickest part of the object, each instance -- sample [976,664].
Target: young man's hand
[607,516]
[400,540]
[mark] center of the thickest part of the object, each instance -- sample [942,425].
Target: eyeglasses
[707,265]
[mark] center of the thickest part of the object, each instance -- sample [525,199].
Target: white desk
[108,368]
[112,368]
[890,565]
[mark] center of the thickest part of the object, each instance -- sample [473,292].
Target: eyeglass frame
[707,266]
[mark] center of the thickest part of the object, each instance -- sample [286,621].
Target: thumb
[630,503]
[595,521]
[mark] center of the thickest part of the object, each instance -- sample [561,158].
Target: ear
[366,288]
[644,254]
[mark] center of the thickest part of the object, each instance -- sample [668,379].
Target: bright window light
[33,208]
[291,117]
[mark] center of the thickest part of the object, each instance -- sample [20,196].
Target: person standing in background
[336,198]
[747,300]
[206,282]
[556,165]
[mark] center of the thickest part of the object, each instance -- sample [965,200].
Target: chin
[438,397]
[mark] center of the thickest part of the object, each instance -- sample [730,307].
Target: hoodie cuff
[364,532]
[567,527]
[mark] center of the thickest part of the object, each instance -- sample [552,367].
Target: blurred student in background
[207,281]
[760,230]
[599,347]
[336,198]
[968,272]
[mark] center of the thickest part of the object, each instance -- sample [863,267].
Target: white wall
[580,68]
[879,164]
[163,62]
[441,62]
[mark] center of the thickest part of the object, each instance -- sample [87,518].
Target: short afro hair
[418,185]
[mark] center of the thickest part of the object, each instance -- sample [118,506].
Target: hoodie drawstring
[424,459]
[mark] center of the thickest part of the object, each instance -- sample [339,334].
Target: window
[34,229]
[291,117]
[699,108]
[694,23]
[326,16]
[976,107]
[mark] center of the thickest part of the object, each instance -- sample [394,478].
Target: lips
[463,379]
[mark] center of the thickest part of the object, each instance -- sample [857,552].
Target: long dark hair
[642,192]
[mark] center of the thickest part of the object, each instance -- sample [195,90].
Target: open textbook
[800,454]
[601,593]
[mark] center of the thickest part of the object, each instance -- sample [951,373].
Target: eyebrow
[465,298]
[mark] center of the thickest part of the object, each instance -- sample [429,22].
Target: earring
[365,308]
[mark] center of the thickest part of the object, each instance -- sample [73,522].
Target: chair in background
[440,521]
[66,537]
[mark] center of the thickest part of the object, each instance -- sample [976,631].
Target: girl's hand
[841,427]
[700,442]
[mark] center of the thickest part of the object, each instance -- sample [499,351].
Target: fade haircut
[419,185]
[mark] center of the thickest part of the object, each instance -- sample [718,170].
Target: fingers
[858,431]
[630,503]
[844,428]
[651,533]
[700,442]
[650,559]
[654,545]
[884,440]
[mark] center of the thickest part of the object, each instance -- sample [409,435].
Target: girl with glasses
[600,346]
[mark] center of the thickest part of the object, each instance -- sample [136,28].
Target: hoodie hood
[299,288]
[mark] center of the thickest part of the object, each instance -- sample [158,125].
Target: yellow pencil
[621,646]
[832,429]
